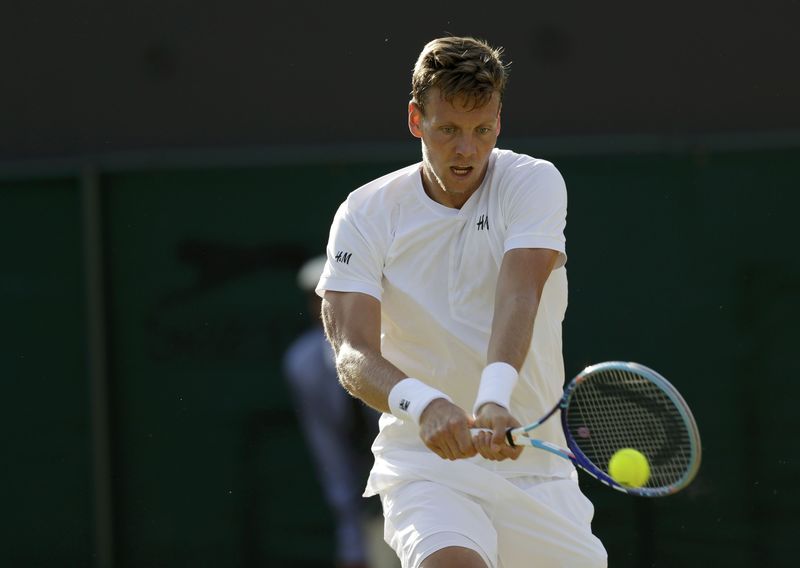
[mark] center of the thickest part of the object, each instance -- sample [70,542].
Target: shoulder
[520,176]
[514,167]
[382,194]
[370,213]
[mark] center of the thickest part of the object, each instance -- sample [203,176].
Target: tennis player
[443,293]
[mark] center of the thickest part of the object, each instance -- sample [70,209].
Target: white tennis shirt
[434,269]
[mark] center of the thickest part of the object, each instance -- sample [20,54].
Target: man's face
[457,141]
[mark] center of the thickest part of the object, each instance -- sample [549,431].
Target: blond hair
[459,67]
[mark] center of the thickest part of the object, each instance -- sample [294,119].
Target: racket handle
[509,434]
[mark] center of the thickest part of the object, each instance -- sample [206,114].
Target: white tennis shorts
[523,522]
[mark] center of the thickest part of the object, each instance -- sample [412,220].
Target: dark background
[165,167]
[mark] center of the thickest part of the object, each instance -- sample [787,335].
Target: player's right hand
[445,429]
[492,445]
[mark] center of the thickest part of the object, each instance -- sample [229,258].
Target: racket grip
[509,435]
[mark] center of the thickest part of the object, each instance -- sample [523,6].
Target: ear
[498,118]
[414,120]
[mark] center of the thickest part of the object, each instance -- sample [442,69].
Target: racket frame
[520,436]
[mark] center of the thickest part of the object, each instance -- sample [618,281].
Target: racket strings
[615,409]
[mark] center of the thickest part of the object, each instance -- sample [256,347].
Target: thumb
[499,436]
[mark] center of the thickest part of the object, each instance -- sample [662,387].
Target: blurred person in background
[337,428]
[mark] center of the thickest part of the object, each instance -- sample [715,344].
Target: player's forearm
[352,325]
[512,329]
[366,375]
[520,286]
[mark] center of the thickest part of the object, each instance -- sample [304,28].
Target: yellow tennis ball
[629,467]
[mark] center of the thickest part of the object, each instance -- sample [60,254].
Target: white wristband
[497,383]
[410,397]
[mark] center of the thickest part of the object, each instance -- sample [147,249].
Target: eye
[484,130]
[447,130]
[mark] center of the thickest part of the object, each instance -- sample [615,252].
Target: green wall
[685,262]
[46,464]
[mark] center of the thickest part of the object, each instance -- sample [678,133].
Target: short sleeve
[535,209]
[354,262]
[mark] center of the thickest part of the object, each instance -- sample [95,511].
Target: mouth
[461,171]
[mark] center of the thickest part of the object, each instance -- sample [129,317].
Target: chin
[459,187]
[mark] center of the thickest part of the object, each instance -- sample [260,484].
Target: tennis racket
[614,405]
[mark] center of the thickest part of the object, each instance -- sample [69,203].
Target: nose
[466,146]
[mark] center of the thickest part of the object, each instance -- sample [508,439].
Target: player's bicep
[524,271]
[352,319]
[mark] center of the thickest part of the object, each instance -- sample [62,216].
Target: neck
[436,191]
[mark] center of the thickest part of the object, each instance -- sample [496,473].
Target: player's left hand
[493,445]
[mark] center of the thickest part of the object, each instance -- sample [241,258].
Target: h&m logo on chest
[483,223]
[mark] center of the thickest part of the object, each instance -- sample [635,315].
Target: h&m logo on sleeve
[343,256]
[404,404]
[483,222]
